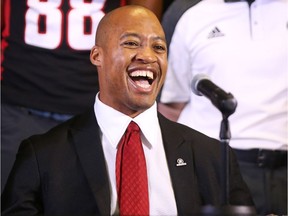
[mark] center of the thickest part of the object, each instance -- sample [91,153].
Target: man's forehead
[131,19]
[131,15]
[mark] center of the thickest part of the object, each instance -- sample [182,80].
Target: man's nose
[146,54]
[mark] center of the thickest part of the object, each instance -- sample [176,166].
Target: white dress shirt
[113,125]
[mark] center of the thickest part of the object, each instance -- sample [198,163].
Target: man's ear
[96,56]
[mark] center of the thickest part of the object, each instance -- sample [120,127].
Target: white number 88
[49,13]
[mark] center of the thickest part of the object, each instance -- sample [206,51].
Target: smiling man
[74,168]
[131,59]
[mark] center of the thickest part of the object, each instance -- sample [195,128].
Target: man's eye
[130,43]
[160,47]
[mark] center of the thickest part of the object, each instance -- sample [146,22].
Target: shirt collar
[114,123]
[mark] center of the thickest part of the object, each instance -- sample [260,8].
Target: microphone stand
[227,107]
[225,136]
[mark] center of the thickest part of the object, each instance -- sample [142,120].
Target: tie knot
[133,127]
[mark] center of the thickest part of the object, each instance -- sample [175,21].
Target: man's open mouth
[142,78]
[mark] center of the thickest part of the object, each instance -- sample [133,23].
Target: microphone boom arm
[223,101]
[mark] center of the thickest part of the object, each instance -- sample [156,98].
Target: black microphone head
[195,81]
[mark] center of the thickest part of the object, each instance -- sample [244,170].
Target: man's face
[133,62]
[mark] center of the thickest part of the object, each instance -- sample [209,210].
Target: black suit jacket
[63,172]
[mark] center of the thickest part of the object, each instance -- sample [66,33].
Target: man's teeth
[141,73]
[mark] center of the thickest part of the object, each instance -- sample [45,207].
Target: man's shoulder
[82,122]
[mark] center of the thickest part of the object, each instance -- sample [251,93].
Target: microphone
[223,101]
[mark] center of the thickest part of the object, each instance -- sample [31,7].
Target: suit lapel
[85,135]
[180,160]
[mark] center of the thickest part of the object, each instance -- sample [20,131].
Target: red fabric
[123,3]
[5,28]
[131,174]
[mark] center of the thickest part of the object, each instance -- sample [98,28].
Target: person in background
[46,76]
[242,47]
[73,169]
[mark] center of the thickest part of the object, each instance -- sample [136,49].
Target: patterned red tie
[131,174]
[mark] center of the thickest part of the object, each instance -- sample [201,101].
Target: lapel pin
[180,162]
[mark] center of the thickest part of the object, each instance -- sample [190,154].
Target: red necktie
[131,174]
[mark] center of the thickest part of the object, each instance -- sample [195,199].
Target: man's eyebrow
[160,38]
[129,34]
[133,34]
